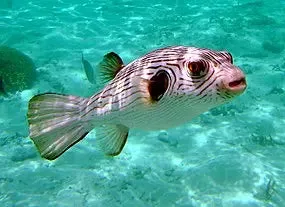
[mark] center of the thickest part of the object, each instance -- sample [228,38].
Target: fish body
[2,88]
[160,90]
[88,69]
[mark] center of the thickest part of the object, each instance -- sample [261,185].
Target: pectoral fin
[153,89]
[112,138]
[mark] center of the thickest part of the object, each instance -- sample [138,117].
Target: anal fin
[112,138]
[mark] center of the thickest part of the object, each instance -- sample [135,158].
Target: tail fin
[54,122]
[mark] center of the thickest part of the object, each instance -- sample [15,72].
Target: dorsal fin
[110,66]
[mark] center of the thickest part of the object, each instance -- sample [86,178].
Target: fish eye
[196,68]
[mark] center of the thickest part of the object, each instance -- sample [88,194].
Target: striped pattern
[126,100]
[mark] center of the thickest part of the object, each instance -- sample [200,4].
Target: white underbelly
[154,117]
[157,119]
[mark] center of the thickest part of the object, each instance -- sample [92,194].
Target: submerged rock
[163,136]
[17,70]
[273,46]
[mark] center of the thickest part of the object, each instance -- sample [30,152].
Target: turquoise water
[231,156]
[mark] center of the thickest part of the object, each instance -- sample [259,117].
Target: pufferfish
[162,89]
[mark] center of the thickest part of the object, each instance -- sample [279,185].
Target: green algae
[17,70]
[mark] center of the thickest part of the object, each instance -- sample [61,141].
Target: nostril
[237,83]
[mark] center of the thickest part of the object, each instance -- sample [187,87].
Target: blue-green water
[231,156]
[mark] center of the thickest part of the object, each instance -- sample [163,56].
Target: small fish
[160,90]
[2,89]
[89,71]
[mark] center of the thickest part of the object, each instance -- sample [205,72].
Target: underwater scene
[231,155]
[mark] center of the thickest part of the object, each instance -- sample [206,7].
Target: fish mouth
[237,86]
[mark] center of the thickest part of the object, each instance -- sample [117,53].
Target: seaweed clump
[17,70]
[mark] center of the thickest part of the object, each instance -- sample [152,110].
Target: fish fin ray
[112,138]
[55,133]
[148,93]
[110,66]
